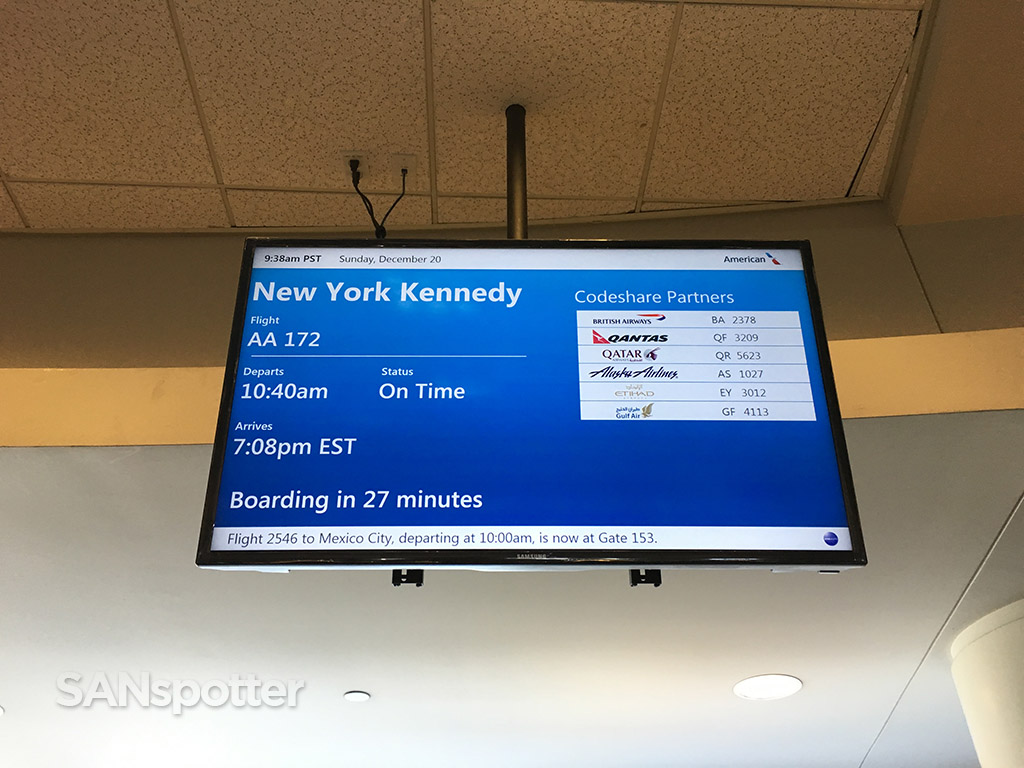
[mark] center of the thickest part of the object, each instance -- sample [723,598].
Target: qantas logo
[630,338]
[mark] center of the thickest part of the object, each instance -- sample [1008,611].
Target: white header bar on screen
[405,257]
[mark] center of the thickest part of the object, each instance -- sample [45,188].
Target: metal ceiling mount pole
[515,160]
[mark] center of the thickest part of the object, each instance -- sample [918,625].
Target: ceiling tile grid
[672,205]
[119,207]
[288,88]
[587,73]
[762,101]
[254,208]
[872,177]
[774,103]
[96,91]
[9,218]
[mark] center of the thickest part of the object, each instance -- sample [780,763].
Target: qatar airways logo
[629,338]
[631,354]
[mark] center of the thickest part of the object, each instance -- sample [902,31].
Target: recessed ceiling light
[767,687]
[357,696]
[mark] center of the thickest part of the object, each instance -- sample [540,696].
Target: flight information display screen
[528,403]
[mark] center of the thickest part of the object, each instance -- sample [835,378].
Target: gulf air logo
[774,260]
[599,339]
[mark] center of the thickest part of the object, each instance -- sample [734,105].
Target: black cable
[405,171]
[378,226]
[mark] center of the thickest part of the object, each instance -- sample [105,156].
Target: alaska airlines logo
[650,372]
[629,338]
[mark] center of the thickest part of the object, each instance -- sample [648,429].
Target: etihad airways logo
[629,338]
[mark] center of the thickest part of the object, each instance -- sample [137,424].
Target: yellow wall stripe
[938,373]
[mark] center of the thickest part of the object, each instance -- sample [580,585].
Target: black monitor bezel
[528,559]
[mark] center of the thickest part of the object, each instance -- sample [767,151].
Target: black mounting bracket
[650,576]
[411,576]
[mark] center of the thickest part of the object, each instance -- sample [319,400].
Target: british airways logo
[642,318]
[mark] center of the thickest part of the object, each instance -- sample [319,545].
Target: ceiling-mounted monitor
[538,404]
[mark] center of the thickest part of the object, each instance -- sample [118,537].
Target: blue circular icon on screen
[831,539]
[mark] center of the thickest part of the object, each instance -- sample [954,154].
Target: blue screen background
[517,438]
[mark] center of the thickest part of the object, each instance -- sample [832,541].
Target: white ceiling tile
[96,206]
[9,218]
[565,209]
[490,210]
[587,73]
[473,210]
[97,91]
[288,87]
[253,208]
[774,103]
[872,180]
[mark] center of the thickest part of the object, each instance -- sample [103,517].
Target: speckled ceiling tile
[96,206]
[493,210]
[873,178]
[323,209]
[587,73]
[9,218]
[287,87]
[96,91]
[774,103]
